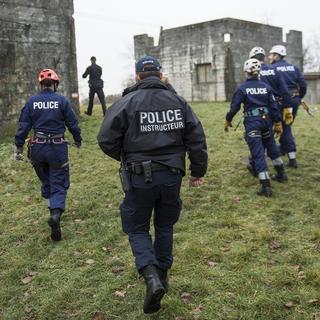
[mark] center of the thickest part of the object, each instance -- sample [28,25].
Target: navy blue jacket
[152,123]
[47,112]
[292,76]
[275,80]
[254,93]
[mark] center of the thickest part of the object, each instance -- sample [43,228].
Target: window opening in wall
[204,73]
[227,37]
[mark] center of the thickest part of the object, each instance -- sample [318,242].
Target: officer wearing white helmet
[274,79]
[260,111]
[298,88]
[271,76]
[255,51]
[280,50]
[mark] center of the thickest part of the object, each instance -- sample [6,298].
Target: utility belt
[144,168]
[257,112]
[48,138]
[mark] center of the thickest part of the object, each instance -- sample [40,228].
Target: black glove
[77,144]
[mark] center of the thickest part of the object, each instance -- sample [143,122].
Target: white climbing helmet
[252,66]
[279,49]
[256,50]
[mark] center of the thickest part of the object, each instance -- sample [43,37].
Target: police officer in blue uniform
[260,110]
[95,86]
[271,76]
[47,114]
[274,79]
[150,130]
[298,89]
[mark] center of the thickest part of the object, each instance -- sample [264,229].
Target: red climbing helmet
[48,74]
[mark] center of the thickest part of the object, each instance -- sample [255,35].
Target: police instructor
[150,129]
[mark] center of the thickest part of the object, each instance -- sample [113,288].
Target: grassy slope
[265,251]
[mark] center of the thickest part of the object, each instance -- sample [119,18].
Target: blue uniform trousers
[287,143]
[259,136]
[163,197]
[50,162]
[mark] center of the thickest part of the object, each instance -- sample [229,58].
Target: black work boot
[155,289]
[293,163]
[265,189]
[280,176]
[54,223]
[252,170]
[163,275]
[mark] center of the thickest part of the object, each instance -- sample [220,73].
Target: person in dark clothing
[260,111]
[96,86]
[48,114]
[297,86]
[275,80]
[150,130]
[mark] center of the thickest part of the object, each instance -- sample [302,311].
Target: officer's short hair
[143,75]
[253,75]
[151,73]
[259,57]
[47,83]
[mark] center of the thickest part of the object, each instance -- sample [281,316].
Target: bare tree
[129,81]
[311,55]
[129,57]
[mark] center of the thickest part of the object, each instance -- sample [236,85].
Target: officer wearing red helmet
[48,114]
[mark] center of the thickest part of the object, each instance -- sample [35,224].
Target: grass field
[237,256]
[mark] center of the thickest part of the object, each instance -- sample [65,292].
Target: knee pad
[266,134]
[59,165]
[253,134]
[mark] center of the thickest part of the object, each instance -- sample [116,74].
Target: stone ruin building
[204,61]
[34,34]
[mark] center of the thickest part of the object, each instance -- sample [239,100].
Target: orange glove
[288,116]
[227,124]
[277,129]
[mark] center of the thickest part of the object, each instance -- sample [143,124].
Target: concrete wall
[244,36]
[34,34]
[313,93]
[181,49]
[294,48]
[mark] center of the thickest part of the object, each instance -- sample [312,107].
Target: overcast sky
[105,29]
